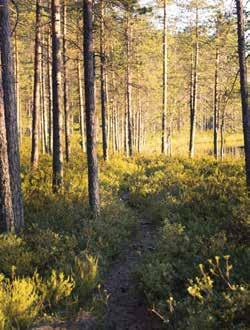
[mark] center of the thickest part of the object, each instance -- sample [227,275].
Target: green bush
[203,209]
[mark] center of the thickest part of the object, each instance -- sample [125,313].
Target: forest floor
[127,309]
[126,305]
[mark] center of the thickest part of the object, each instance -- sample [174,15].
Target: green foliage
[203,210]
[63,252]
[85,274]
[57,288]
[217,301]
[19,302]
[14,252]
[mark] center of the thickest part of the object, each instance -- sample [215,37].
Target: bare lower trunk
[57,96]
[129,85]
[36,90]
[194,88]
[165,83]
[65,85]
[81,106]
[216,105]
[244,86]
[93,181]
[49,91]
[10,110]
[103,76]
[18,101]
[7,221]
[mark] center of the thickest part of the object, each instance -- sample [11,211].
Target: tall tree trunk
[216,104]
[42,137]
[36,90]
[10,110]
[165,83]
[18,101]
[222,131]
[65,85]
[194,88]
[57,96]
[103,82]
[129,83]
[6,207]
[93,180]
[125,126]
[81,105]
[44,99]
[244,86]
[49,90]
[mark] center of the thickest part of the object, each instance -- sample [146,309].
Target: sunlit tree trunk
[93,180]
[103,76]
[10,113]
[66,85]
[57,96]
[18,101]
[129,84]
[36,90]
[49,90]
[165,82]
[216,104]
[81,105]
[7,221]
[244,86]
[194,86]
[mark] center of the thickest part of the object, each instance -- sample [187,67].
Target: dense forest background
[216,31]
[124,164]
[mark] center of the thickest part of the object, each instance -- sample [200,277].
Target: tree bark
[194,86]
[6,207]
[81,106]
[103,82]
[18,101]
[129,83]
[36,90]
[93,180]
[10,111]
[57,96]
[165,83]
[216,104]
[49,90]
[66,85]
[244,86]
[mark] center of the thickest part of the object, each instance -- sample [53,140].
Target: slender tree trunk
[8,81]
[165,83]
[57,96]
[103,83]
[222,131]
[42,111]
[125,127]
[216,104]
[18,101]
[36,90]
[44,102]
[194,90]
[244,86]
[65,85]
[50,108]
[93,181]
[81,105]
[6,207]
[129,84]
[139,128]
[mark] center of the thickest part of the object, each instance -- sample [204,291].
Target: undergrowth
[198,275]
[55,267]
